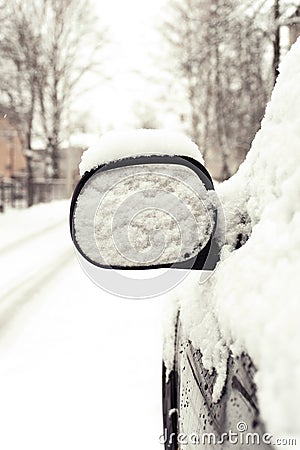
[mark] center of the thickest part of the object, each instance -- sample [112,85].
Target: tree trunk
[30,196]
[276,43]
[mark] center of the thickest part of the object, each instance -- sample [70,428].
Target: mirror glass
[143,215]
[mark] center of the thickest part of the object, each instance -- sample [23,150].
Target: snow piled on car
[121,144]
[251,303]
[138,202]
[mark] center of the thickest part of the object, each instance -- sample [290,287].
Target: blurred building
[71,153]
[12,160]
[68,166]
[294,26]
[14,181]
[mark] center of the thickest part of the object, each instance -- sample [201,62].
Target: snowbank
[19,224]
[252,301]
[115,145]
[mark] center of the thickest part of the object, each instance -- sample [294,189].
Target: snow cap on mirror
[121,144]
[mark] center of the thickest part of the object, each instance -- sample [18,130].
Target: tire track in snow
[30,264]
[24,239]
[27,288]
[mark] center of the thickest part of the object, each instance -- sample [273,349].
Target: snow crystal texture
[143,214]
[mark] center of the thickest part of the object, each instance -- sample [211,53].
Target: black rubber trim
[170,398]
[170,402]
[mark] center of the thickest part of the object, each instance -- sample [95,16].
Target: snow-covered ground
[79,368]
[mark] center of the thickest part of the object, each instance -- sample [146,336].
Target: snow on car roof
[121,144]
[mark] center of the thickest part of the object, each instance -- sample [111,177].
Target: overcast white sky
[133,37]
[130,59]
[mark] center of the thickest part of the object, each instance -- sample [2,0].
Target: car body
[250,304]
[189,412]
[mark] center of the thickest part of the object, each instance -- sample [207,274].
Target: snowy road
[79,368]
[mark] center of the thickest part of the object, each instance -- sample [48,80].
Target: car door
[191,418]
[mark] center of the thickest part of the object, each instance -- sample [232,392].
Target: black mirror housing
[110,198]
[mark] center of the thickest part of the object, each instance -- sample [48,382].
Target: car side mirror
[146,212]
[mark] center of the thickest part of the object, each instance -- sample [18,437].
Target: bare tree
[72,46]
[19,65]
[218,52]
[46,47]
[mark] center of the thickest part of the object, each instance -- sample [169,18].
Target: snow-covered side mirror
[145,212]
